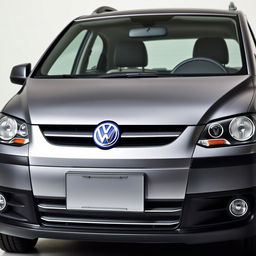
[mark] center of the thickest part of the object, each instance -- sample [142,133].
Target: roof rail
[103,9]
[232,6]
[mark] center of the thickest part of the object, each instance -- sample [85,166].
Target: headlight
[241,128]
[8,128]
[232,131]
[13,131]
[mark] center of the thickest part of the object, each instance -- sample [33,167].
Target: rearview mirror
[148,32]
[20,73]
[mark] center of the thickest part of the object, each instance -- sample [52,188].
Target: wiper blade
[130,75]
[110,75]
[68,76]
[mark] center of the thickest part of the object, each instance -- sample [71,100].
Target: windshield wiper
[68,76]
[130,75]
[110,75]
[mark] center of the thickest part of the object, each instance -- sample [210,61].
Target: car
[135,126]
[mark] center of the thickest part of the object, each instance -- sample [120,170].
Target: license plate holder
[105,192]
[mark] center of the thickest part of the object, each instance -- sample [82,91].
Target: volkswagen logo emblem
[106,135]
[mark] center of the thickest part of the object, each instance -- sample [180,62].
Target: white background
[27,27]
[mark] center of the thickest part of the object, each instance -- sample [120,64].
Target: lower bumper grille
[159,215]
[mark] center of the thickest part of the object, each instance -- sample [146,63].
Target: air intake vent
[135,136]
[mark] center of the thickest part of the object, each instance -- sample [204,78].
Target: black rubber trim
[209,211]
[35,231]
[188,236]
[12,159]
[213,162]
[20,206]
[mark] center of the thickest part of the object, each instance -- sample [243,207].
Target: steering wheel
[199,66]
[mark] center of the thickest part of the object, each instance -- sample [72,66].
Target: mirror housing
[20,73]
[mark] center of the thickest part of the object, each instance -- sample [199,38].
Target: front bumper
[179,237]
[205,219]
[205,181]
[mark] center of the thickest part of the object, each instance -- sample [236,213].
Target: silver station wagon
[135,126]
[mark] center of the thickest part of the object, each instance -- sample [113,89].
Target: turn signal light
[214,142]
[20,141]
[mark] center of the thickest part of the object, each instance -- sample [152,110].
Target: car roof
[161,12]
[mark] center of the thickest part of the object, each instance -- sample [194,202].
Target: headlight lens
[8,128]
[13,131]
[242,128]
[232,131]
[215,130]
[23,130]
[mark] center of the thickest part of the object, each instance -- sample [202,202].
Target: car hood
[130,101]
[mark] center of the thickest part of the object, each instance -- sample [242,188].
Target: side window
[96,52]
[64,63]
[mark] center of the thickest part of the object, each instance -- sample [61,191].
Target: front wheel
[16,244]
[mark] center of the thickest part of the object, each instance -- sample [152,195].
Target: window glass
[166,54]
[170,52]
[65,61]
[235,59]
[125,41]
[96,52]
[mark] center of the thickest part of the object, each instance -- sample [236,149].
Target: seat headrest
[213,48]
[131,54]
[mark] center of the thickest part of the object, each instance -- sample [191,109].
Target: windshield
[147,46]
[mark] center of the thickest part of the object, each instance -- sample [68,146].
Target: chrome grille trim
[68,134]
[150,134]
[101,222]
[154,210]
[123,135]
[130,135]
[164,210]
[159,214]
[51,207]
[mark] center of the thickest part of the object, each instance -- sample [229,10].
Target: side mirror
[20,73]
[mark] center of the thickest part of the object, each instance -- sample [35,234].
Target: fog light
[238,207]
[2,203]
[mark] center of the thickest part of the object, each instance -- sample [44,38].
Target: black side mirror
[20,73]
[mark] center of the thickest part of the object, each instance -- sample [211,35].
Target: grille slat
[130,135]
[159,210]
[154,210]
[150,135]
[107,222]
[51,207]
[68,134]
[158,214]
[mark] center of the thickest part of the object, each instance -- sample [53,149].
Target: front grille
[70,135]
[159,215]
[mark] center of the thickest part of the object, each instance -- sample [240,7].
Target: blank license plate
[105,192]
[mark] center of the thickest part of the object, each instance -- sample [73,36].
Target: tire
[249,246]
[16,244]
